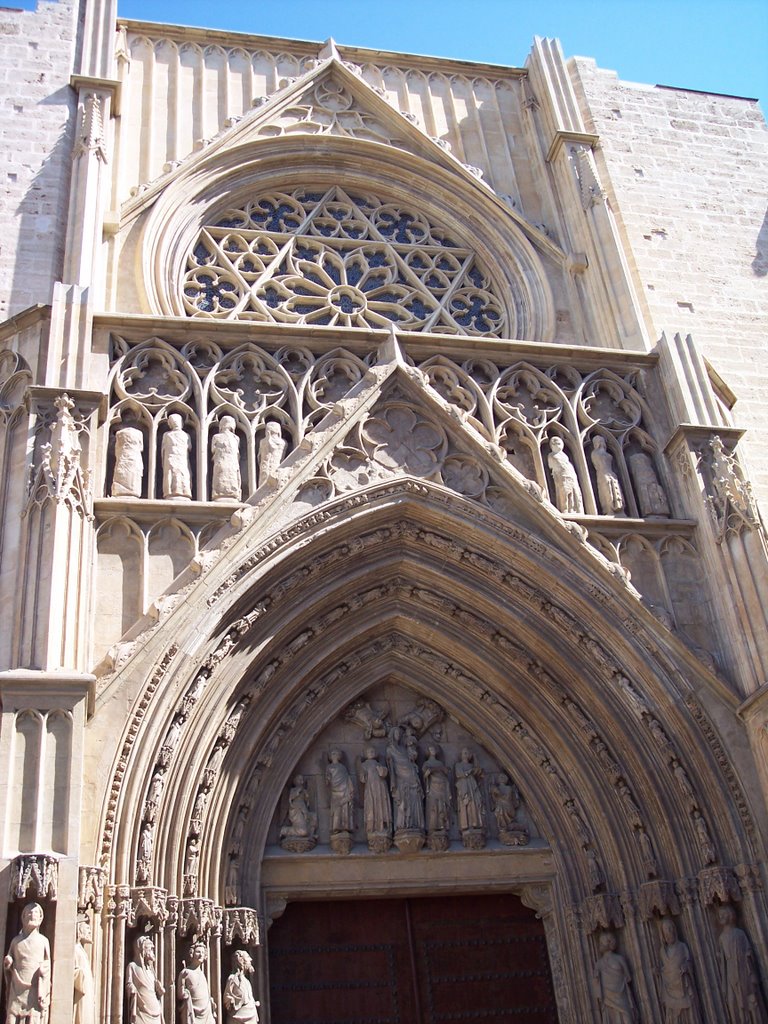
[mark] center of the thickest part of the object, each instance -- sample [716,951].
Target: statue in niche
[226,484]
[650,494]
[706,845]
[372,723]
[505,803]
[377,809]
[567,491]
[738,972]
[683,781]
[342,793]
[199,810]
[238,997]
[144,855]
[128,473]
[191,864]
[192,990]
[300,834]
[27,971]
[437,782]
[177,479]
[612,984]
[469,799]
[142,986]
[407,794]
[650,863]
[271,451]
[232,883]
[153,796]
[608,487]
[84,1009]
[594,870]
[678,987]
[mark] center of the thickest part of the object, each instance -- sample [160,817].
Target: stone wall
[37,50]
[688,177]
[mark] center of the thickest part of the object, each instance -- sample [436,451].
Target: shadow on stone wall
[760,262]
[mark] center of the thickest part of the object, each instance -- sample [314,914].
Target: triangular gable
[330,100]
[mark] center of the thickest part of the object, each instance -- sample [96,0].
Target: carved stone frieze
[34,874]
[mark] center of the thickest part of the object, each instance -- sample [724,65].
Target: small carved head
[175,422]
[32,915]
[145,949]
[227,424]
[607,942]
[598,442]
[726,916]
[335,755]
[272,429]
[370,753]
[84,930]
[466,755]
[668,931]
[556,444]
[243,961]
[198,953]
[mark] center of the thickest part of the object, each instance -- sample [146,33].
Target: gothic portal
[385,591]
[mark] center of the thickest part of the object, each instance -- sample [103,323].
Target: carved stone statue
[192,990]
[300,833]
[608,487]
[271,451]
[706,845]
[505,802]
[226,484]
[84,1008]
[738,972]
[27,971]
[144,855]
[594,868]
[142,986]
[407,794]
[650,494]
[469,799]
[239,1002]
[437,781]
[232,883]
[567,490]
[342,793]
[177,480]
[377,808]
[128,473]
[612,984]
[678,987]
[154,793]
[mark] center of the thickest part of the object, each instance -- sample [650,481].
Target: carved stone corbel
[34,874]
[538,898]
[242,923]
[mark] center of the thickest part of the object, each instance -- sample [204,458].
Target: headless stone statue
[129,463]
[271,451]
[226,484]
[177,480]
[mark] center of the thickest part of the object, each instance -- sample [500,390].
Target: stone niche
[493,813]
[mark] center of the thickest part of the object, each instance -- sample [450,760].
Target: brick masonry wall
[688,176]
[37,108]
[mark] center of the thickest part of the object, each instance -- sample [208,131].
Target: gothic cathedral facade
[384,589]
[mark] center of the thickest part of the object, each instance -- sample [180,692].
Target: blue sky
[711,45]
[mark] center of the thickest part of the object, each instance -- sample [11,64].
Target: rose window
[333,258]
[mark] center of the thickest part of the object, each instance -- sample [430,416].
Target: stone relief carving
[34,874]
[505,803]
[731,501]
[192,992]
[177,479]
[27,971]
[272,448]
[84,1007]
[613,982]
[90,888]
[142,986]
[611,499]
[739,975]
[650,494]
[372,724]
[226,484]
[679,995]
[239,1001]
[241,923]
[57,472]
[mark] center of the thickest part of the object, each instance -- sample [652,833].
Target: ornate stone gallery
[386,632]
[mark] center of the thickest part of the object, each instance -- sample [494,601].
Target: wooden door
[436,960]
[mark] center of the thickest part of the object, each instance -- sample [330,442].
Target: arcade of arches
[388,622]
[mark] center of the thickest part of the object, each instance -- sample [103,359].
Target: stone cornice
[562,137]
[26,318]
[111,86]
[308,48]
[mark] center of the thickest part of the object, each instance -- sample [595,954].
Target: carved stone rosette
[242,923]
[34,874]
